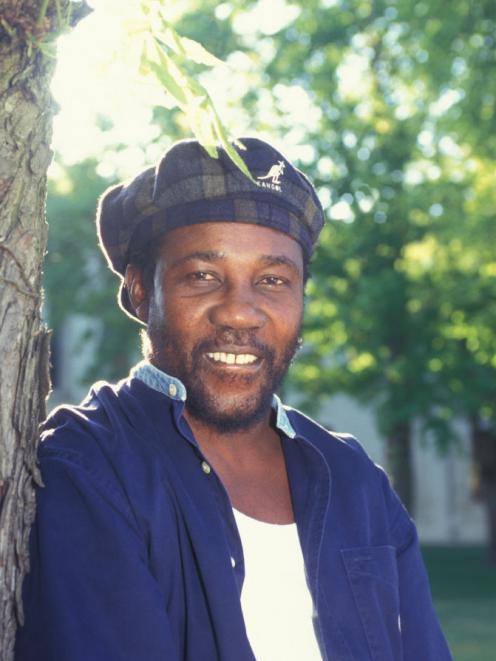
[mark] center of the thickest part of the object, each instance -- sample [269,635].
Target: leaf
[200,120]
[195,88]
[190,49]
[187,92]
[48,48]
[170,76]
[187,48]
[229,147]
[196,52]
[144,65]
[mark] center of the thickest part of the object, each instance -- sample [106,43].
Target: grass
[464,591]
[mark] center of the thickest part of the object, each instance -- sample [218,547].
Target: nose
[238,308]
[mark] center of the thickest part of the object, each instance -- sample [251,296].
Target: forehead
[236,242]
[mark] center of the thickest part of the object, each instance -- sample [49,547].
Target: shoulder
[102,435]
[72,428]
[108,410]
[78,441]
[354,475]
[344,454]
[106,446]
[330,443]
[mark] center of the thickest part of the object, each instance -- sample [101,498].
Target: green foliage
[404,154]
[170,57]
[402,136]
[76,278]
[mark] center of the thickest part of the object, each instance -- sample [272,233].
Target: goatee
[220,412]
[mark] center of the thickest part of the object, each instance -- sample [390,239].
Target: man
[168,496]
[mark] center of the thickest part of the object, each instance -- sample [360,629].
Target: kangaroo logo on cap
[275,172]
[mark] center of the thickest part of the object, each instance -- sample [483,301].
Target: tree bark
[399,462]
[484,455]
[26,110]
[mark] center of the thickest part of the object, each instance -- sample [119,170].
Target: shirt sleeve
[421,634]
[89,593]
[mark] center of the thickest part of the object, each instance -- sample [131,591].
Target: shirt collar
[175,389]
[158,380]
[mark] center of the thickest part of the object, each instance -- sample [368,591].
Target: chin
[242,413]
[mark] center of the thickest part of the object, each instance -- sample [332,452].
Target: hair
[145,259]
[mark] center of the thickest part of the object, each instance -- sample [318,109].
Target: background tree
[397,129]
[390,108]
[402,141]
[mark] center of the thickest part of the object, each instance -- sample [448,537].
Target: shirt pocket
[373,575]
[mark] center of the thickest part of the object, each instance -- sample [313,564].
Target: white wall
[445,510]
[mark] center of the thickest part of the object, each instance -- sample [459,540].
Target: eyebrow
[215,256]
[202,255]
[280,260]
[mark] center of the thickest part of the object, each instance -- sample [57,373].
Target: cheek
[179,317]
[293,314]
[184,316]
[289,323]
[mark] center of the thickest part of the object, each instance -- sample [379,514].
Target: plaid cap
[189,187]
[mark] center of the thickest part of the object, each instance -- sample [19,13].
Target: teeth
[232,358]
[245,359]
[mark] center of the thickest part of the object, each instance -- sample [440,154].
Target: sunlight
[106,107]
[266,17]
[91,83]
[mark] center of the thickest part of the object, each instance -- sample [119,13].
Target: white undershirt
[276,602]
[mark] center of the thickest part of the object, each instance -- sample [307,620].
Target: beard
[224,413]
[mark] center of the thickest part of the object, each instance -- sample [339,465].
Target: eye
[273,281]
[201,279]
[201,276]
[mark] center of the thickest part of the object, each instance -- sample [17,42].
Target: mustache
[233,337]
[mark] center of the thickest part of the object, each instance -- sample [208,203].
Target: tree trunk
[26,111]
[399,462]
[484,455]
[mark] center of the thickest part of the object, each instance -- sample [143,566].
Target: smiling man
[187,515]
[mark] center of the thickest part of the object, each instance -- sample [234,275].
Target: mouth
[230,359]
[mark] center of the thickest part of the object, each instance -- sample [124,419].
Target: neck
[250,464]
[240,446]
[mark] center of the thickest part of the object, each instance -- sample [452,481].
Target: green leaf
[187,92]
[229,147]
[170,76]
[192,50]
[187,48]
[201,125]
[144,65]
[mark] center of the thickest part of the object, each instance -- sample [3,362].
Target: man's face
[225,316]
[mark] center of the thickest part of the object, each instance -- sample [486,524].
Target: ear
[133,279]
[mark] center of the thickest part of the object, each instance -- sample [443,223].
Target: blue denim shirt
[135,554]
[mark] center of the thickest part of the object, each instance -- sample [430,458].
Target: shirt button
[205,468]
[172,389]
